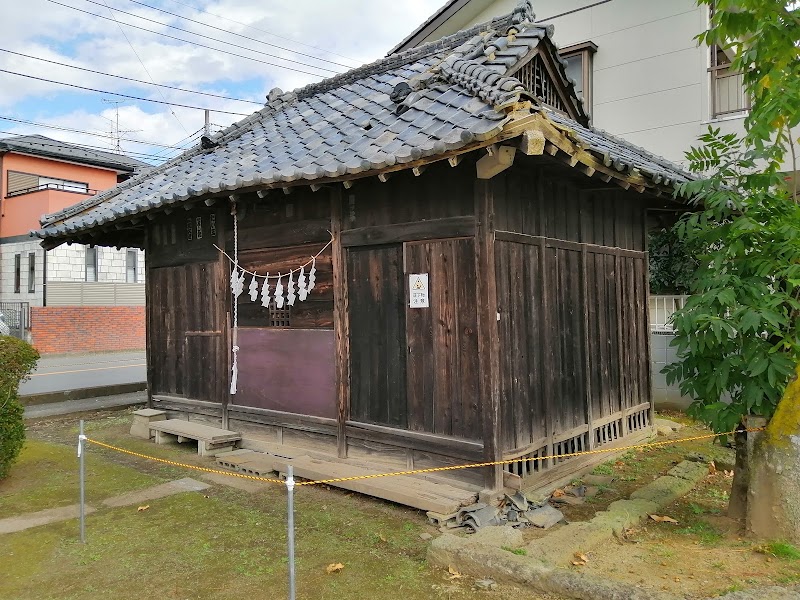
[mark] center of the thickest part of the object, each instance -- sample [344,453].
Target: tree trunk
[773,502]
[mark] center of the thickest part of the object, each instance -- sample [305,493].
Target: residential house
[75,284]
[425,261]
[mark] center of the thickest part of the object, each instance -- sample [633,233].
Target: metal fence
[16,315]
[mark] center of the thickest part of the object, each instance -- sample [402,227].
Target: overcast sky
[322,37]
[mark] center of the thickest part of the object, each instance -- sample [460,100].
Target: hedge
[17,360]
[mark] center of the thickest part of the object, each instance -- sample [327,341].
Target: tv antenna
[116,133]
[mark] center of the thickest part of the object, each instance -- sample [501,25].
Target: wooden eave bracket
[559,143]
[497,160]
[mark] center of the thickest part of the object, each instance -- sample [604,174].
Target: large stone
[544,517]
[141,421]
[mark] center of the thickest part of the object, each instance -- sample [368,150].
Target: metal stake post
[290,519]
[82,477]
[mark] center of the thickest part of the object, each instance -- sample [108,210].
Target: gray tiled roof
[40,145]
[421,103]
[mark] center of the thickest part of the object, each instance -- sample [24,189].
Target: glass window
[31,272]
[91,263]
[17,272]
[579,60]
[130,266]
[52,183]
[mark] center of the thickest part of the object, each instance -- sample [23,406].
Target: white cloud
[359,29]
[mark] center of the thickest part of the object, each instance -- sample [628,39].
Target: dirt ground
[228,542]
[705,554]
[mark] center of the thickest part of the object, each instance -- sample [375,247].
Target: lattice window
[525,466]
[639,420]
[579,443]
[605,434]
[279,317]
[537,81]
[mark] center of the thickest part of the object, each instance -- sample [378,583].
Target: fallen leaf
[728,474]
[663,519]
[580,559]
[712,467]
[334,568]
[382,537]
[143,508]
[454,574]
[558,493]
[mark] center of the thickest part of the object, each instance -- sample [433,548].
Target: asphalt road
[85,405]
[80,371]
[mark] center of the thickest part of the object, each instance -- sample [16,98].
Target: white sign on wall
[418,290]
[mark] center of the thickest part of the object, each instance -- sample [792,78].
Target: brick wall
[57,329]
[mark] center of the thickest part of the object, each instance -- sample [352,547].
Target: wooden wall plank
[341,322]
[488,338]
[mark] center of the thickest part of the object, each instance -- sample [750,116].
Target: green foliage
[673,262]
[18,359]
[738,336]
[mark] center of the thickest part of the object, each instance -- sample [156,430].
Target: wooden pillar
[546,351]
[587,363]
[488,334]
[148,307]
[225,344]
[341,322]
[648,338]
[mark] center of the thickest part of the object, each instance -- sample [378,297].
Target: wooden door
[441,340]
[186,327]
[377,335]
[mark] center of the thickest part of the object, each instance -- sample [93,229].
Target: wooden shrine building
[480,290]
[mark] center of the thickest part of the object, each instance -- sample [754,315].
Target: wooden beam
[448,227]
[315,187]
[551,149]
[384,177]
[417,171]
[488,333]
[348,184]
[287,190]
[209,201]
[532,143]
[341,322]
[262,193]
[455,160]
[496,161]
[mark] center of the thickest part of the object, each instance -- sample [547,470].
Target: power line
[179,144]
[198,44]
[80,87]
[213,39]
[253,27]
[100,135]
[141,62]
[107,150]
[241,35]
[169,87]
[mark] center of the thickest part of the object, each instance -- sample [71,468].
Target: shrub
[17,360]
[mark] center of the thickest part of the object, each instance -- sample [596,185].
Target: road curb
[83,393]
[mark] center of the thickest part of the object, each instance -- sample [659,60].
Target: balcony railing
[62,187]
[728,95]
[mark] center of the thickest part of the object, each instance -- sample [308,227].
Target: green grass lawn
[221,543]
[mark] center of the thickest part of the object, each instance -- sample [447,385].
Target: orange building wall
[20,214]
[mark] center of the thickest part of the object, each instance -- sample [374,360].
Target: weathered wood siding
[187,332]
[572,298]
[552,202]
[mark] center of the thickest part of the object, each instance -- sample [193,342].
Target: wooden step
[406,490]
[195,431]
